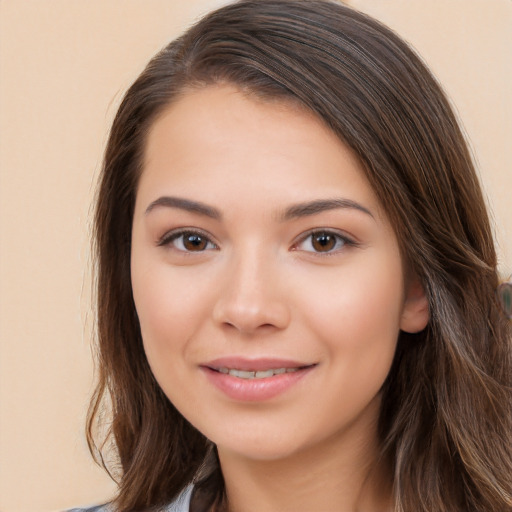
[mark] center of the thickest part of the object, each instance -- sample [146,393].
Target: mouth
[256,374]
[255,380]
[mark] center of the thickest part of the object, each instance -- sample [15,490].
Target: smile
[256,374]
[255,380]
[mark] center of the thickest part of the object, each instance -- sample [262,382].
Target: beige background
[64,66]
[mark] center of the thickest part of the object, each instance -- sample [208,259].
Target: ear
[415,313]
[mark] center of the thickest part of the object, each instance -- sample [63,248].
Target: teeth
[260,374]
[263,374]
[242,374]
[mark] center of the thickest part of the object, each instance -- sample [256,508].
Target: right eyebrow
[322,205]
[184,204]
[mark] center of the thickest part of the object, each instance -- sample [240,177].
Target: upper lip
[242,363]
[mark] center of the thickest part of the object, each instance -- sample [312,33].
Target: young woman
[297,279]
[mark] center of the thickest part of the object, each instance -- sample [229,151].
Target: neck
[336,475]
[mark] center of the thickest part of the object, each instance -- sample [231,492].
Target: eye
[322,241]
[187,241]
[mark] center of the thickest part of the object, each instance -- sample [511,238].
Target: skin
[259,287]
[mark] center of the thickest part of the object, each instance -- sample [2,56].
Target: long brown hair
[445,424]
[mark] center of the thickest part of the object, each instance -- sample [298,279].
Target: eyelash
[173,236]
[341,241]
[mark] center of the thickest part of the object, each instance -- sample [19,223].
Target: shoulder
[97,508]
[180,504]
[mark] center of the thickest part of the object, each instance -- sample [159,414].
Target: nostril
[251,314]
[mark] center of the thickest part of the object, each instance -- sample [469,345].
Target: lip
[253,390]
[247,364]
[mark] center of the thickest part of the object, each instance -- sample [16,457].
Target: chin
[261,446]
[262,452]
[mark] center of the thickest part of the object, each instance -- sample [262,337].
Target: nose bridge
[251,296]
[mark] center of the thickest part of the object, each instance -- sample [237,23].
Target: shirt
[180,504]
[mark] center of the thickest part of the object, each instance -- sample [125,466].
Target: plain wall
[64,65]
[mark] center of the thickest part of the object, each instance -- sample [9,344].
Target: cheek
[169,315]
[357,313]
[170,308]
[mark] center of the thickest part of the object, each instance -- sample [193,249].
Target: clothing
[180,504]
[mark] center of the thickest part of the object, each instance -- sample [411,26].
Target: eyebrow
[322,205]
[292,212]
[185,204]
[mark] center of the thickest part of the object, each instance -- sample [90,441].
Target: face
[267,279]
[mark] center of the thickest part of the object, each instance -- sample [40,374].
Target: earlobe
[415,313]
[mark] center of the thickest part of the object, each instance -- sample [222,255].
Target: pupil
[194,243]
[323,242]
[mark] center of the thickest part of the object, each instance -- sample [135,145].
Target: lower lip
[254,390]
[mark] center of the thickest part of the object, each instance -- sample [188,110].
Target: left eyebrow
[184,204]
[313,207]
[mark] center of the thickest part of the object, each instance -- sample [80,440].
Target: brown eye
[187,241]
[323,242]
[194,242]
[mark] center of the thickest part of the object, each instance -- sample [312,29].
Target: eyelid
[169,236]
[341,235]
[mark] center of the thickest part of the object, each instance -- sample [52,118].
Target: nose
[252,298]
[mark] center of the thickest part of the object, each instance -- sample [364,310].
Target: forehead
[222,135]
[207,109]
